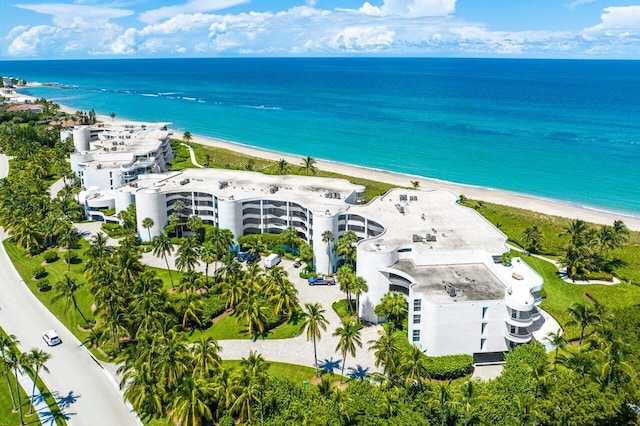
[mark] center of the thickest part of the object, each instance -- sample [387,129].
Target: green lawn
[295,373]
[182,159]
[560,294]
[231,327]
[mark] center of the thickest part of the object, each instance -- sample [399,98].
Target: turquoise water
[565,130]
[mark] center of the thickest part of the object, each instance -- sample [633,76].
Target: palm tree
[189,405]
[66,289]
[558,341]
[349,335]
[162,247]
[358,287]
[17,361]
[533,239]
[415,184]
[346,277]
[443,400]
[583,316]
[281,291]
[187,255]
[6,347]
[578,361]
[313,321]
[327,238]
[345,246]
[309,165]
[205,355]
[413,366]
[37,360]
[112,115]
[208,255]
[394,307]
[387,351]
[621,232]
[221,240]
[69,239]
[143,390]
[186,136]
[254,368]
[282,167]
[26,233]
[177,208]
[147,223]
[290,237]
[194,223]
[576,231]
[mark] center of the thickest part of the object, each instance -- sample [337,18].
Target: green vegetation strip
[220,158]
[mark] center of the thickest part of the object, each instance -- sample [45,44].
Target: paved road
[86,394]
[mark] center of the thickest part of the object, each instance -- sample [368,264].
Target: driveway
[85,393]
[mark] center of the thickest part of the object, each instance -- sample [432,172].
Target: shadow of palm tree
[67,400]
[329,365]
[358,372]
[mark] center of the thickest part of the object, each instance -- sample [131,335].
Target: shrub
[50,256]
[39,272]
[599,276]
[271,320]
[43,285]
[449,367]
[307,275]
[213,306]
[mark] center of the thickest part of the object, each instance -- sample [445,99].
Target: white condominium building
[444,257]
[107,157]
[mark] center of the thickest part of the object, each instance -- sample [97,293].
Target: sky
[80,29]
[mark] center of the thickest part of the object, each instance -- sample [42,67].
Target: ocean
[567,130]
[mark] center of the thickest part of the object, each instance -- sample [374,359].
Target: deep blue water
[562,129]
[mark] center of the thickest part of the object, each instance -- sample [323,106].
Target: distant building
[26,107]
[107,157]
[7,82]
[446,259]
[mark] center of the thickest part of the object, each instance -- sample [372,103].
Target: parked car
[321,280]
[51,338]
[242,255]
[253,258]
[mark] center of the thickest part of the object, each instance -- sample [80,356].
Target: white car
[51,338]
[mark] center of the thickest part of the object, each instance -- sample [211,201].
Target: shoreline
[497,196]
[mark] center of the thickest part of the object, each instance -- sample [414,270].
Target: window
[484,311]
[482,342]
[417,305]
[484,325]
[416,319]
[416,335]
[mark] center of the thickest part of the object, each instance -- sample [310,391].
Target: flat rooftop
[451,227]
[316,193]
[472,281]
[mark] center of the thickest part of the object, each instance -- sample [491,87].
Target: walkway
[192,155]
[39,403]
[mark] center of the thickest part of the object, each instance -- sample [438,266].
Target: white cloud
[67,14]
[618,19]
[576,3]
[362,39]
[29,42]
[193,6]
[410,8]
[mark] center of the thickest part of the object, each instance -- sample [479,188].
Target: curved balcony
[520,336]
[525,320]
[535,314]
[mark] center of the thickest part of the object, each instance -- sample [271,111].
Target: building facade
[445,258]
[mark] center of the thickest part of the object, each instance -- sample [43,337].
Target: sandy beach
[551,207]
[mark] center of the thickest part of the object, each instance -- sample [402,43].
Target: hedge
[449,367]
[214,306]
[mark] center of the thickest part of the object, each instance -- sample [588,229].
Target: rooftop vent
[273,189]
[400,208]
[184,181]
[222,184]
[450,289]
[403,197]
